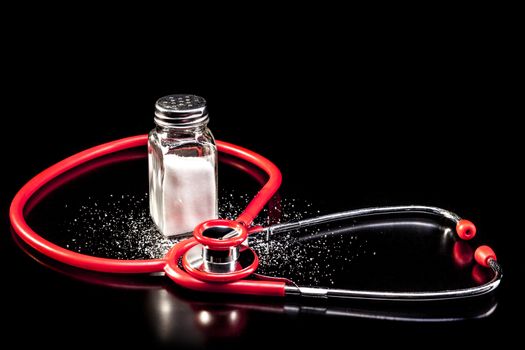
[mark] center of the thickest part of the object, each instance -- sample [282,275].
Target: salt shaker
[182,158]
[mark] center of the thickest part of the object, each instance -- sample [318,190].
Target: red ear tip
[483,254]
[466,229]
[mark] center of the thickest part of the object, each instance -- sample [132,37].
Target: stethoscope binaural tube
[465,230]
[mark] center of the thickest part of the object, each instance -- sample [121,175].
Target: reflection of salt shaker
[182,165]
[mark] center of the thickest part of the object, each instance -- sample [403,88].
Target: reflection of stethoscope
[215,259]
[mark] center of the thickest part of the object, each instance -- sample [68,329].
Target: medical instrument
[216,260]
[161,299]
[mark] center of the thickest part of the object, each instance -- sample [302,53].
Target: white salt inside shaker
[190,193]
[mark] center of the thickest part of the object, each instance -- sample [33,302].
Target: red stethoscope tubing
[21,227]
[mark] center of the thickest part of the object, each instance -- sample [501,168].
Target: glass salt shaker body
[182,158]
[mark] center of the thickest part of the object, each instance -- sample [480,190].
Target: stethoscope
[163,297]
[217,258]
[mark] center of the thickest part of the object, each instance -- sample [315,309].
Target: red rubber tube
[77,172]
[24,231]
[220,244]
[267,191]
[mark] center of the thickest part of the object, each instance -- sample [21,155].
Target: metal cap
[181,111]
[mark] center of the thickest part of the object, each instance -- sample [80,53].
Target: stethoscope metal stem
[318,292]
[350,214]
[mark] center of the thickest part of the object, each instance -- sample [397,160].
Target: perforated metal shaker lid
[181,110]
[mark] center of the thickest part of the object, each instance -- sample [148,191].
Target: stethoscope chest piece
[218,254]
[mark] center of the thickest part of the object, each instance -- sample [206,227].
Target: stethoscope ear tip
[466,229]
[484,254]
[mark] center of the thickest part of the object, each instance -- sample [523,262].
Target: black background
[415,117]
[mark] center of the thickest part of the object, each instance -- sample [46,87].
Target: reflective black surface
[424,152]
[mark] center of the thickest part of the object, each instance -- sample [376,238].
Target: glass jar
[182,158]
